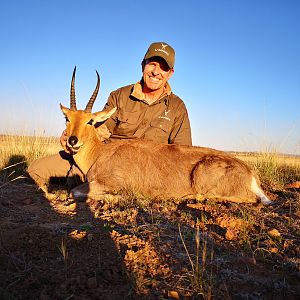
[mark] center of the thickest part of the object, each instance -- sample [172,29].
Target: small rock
[230,234]
[81,281]
[92,283]
[223,287]
[77,234]
[44,296]
[247,260]
[274,233]
[5,202]
[72,206]
[173,295]
[293,185]
[273,250]
[27,201]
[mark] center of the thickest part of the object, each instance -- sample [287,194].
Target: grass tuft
[17,151]
[274,169]
[201,277]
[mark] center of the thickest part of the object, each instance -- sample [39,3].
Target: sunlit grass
[201,278]
[273,168]
[17,151]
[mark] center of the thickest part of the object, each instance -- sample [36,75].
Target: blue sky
[237,64]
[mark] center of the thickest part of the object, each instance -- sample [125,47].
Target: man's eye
[90,122]
[165,68]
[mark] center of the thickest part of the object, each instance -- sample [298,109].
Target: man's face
[156,73]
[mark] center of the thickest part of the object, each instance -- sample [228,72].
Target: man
[149,109]
[145,110]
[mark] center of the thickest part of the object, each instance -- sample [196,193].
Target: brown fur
[170,171]
[156,170]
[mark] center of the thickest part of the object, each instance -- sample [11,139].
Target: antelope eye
[90,122]
[67,120]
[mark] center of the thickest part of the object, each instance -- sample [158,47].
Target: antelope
[157,170]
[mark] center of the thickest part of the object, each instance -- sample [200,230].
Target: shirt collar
[137,91]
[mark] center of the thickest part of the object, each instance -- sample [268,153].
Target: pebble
[173,295]
[92,283]
[27,201]
[230,234]
[247,260]
[295,185]
[274,233]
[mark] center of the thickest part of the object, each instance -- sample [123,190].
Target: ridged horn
[89,106]
[72,92]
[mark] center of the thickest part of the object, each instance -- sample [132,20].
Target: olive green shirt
[164,121]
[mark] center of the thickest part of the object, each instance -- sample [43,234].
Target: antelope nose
[73,140]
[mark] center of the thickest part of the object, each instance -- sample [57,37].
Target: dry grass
[273,168]
[17,151]
[201,276]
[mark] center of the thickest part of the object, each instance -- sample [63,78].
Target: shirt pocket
[159,130]
[127,122]
[161,124]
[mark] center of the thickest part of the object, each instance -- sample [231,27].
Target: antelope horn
[72,92]
[89,106]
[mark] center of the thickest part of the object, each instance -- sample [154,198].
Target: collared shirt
[163,121]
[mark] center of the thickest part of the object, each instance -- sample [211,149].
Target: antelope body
[156,170]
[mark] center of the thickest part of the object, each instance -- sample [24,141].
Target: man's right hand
[63,141]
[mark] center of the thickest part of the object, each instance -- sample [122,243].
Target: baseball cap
[162,50]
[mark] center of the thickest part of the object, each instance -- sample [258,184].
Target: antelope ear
[64,109]
[102,116]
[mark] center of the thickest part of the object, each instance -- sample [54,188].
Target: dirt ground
[135,248]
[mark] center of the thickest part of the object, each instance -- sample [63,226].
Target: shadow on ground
[56,249]
[52,247]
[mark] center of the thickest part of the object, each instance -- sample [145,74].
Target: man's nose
[156,70]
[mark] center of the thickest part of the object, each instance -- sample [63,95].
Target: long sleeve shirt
[164,121]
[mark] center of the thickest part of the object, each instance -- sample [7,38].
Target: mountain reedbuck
[151,169]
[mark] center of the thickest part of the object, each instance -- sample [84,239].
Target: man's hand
[63,141]
[103,132]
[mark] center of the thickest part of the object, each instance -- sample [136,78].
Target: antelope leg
[88,190]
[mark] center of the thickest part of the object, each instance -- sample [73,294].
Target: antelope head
[80,124]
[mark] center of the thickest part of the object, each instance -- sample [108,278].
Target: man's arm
[181,130]
[110,104]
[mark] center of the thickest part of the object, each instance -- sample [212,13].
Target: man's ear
[143,64]
[171,72]
[102,116]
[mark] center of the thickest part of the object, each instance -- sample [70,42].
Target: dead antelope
[155,170]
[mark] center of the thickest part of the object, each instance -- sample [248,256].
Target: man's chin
[153,87]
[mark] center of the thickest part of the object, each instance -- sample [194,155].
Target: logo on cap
[163,46]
